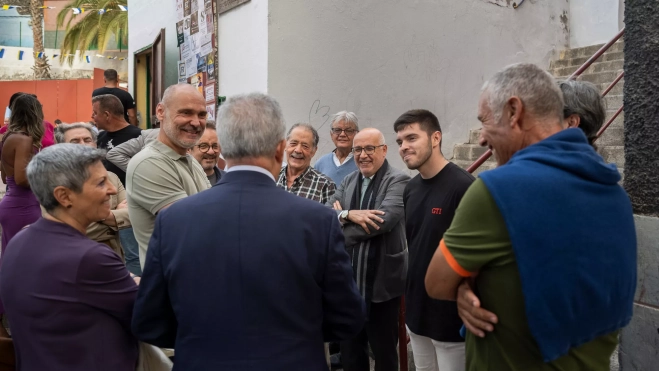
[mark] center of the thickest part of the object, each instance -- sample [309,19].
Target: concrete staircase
[602,73]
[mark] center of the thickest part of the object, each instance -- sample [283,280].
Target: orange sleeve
[452,262]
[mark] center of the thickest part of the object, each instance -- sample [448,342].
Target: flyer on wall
[180,37]
[180,12]
[209,93]
[187,7]
[194,23]
[182,73]
[210,108]
[210,73]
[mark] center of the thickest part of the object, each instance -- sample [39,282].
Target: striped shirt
[311,184]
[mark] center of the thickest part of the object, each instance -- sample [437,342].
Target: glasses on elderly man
[337,131]
[204,147]
[368,149]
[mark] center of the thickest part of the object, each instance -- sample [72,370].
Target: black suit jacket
[246,276]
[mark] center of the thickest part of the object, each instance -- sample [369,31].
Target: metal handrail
[485,156]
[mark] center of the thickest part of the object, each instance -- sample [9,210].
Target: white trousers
[432,355]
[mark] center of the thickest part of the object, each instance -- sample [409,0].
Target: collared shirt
[157,177]
[310,184]
[337,162]
[258,169]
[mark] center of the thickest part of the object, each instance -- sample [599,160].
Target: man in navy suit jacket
[246,276]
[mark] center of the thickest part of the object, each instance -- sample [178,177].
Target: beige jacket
[106,234]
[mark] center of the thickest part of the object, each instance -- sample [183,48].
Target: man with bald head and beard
[164,171]
[369,204]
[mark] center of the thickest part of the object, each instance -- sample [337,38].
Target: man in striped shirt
[298,177]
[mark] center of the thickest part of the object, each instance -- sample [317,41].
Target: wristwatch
[344,215]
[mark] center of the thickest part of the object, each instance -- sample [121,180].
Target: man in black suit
[246,276]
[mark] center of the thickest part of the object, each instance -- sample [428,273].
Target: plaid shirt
[311,184]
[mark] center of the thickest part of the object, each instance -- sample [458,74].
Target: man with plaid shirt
[298,177]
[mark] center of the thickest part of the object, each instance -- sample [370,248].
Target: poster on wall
[195,6]
[180,12]
[186,26]
[180,37]
[201,64]
[194,44]
[185,51]
[202,22]
[190,67]
[182,73]
[210,72]
[210,108]
[197,81]
[194,23]
[187,7]
[209,93]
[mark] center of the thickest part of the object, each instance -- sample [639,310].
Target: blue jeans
[131,250]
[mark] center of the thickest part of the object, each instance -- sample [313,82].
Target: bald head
[179,90]
[372,134]
[182,114]
[370,151]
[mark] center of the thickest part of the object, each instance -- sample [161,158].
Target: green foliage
[92,29]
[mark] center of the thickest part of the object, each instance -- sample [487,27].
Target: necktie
[365,184]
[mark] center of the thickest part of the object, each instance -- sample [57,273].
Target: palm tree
[34,9]
[94,29]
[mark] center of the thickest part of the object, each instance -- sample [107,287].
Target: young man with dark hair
[430,199]
[111,79]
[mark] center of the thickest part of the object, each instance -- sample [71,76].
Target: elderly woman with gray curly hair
[69,299]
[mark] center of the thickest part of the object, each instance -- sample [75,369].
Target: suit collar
[246,176]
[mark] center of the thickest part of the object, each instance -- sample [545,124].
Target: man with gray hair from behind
[259,278]
[547,237]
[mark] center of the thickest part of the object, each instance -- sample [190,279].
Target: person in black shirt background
[430,199]
[112,87]
[108,114]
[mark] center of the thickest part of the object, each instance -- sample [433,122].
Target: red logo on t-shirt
[437,211]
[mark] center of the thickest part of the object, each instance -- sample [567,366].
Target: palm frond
[92,28]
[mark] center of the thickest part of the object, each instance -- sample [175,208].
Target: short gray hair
[66,165]
[534,86]
[313,131]
[61,129]
[250,125]
[583,98]
[347,117]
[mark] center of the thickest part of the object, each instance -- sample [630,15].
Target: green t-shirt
[479,242]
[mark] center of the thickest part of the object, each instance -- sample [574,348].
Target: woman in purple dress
[19,207]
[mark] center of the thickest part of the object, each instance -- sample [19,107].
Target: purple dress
[18,208]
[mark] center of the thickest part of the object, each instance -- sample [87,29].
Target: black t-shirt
[107,140]
[429,209]
[124,96]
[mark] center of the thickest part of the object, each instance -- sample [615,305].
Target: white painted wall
[13,69]
[380,58]
[243,49]
[145,19]
[593,22]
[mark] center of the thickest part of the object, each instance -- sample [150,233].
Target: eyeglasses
[337,131]
[368,149]
[204,147]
